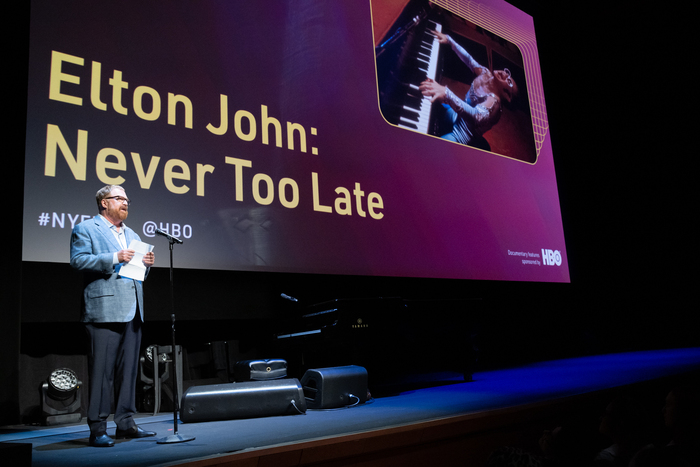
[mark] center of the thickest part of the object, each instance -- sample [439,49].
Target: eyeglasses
[509,80]
[120,199]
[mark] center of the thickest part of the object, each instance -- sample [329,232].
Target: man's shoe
[134,432]
[101,441]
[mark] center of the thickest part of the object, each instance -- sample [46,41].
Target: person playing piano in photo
[471,118]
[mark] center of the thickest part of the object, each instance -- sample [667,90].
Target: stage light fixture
[147,360]
[61,397]
[63,382]
[156,368]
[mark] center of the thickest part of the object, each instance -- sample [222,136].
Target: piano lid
[343,315]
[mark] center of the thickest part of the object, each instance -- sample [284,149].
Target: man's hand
[149,258]
[124,256]
[442,38]
[431,89]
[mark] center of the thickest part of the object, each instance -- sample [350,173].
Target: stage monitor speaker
[328,388]
[249,399]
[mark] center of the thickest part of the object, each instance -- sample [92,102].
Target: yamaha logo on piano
[359,324]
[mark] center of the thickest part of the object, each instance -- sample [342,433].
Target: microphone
[169,237]
[287,297]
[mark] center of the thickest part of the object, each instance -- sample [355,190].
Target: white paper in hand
[135,269]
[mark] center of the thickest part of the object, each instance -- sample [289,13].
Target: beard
[117,215]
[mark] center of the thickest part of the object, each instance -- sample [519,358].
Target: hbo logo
[551,258]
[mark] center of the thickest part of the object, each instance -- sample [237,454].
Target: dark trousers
[113,356]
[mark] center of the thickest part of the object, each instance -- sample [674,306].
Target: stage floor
[490,391]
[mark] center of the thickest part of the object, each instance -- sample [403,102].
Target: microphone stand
[175,437]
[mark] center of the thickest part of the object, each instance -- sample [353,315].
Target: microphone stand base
[175,439]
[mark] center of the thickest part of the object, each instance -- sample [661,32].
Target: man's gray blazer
[107,297]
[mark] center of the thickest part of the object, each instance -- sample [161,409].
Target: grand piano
[390,336]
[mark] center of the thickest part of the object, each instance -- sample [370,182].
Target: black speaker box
[328,388]
[249,399]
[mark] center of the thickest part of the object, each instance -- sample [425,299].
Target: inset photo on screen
[444,76]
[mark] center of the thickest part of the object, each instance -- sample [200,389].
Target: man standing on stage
[112,313]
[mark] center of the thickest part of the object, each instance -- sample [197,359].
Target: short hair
[104,192]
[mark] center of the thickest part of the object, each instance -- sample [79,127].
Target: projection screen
[277,136]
